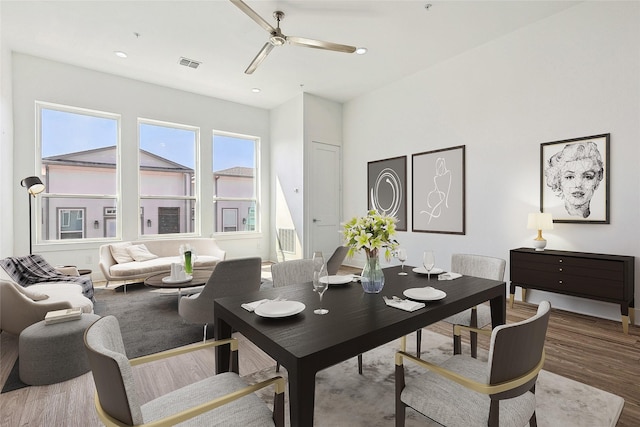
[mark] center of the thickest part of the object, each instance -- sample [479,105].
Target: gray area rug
[344,398]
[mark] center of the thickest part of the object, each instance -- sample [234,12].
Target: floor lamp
[34,186]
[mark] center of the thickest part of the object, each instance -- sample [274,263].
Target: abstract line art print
[574,179]
[387,188]
[439,191]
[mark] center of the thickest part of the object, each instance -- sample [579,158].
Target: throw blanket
[31,269]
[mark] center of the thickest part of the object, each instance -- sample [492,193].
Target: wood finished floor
[587,349]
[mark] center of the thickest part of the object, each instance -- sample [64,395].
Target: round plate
[424,294]
[279,308]
[337,280]
[168,279]
[421,270]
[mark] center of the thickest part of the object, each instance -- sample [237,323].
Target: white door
[325,199]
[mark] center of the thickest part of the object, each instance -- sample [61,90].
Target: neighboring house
[235,215]
[92,172]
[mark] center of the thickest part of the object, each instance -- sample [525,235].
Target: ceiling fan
[276,37]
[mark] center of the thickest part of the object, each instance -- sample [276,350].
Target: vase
[372,276]
[188,266]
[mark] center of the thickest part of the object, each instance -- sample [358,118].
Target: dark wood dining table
[357,322]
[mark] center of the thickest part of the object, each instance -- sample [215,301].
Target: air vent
[189,62]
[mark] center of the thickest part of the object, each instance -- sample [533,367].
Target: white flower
[371,233]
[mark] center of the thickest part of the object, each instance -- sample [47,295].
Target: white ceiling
[403,37]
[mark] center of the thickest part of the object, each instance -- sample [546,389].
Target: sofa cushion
[119,252]
[140,253]
[158,265]
[32,293]
[64,291]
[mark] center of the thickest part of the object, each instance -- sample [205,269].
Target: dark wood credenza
[594,276]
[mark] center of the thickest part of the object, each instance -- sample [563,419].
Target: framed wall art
[574,179]
[387,188]
[438,202]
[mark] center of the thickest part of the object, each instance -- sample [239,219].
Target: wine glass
[401,253]
[320,284]
[429,261]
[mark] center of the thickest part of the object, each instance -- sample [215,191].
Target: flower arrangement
[372,233]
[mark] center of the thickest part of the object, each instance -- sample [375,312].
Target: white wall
[7,182]
[44,80]
[571,75]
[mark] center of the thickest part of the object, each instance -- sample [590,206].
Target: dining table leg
[223,352]
[302,388]
[499,309]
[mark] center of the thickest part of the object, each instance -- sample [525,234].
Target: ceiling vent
[189,62]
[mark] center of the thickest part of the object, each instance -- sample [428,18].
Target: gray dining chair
[224,399]
[335,260]
[464,391]
[229,278]
[479,316]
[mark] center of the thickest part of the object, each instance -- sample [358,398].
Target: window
[235,187]
[167,177]
[79,152]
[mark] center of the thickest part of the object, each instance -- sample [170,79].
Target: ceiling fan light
[361,50]
[277,40]
[120,54]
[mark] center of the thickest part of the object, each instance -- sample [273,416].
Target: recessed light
[255,90]
[361,50]
[120,54]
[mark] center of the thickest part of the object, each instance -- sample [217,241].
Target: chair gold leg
[625,324]
[632,315]
[511,297]
[524,295]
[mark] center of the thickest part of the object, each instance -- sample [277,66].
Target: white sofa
[207,252]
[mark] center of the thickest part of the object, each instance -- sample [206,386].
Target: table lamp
[540,221]
[34,186]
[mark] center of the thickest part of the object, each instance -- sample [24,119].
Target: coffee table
[199,278]
[307,343]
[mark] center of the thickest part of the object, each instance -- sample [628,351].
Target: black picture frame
[387,188]
[438,196]
[574,179]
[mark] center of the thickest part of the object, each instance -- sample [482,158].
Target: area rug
[344,398]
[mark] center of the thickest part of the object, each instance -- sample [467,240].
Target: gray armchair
[464,391]
[229,278]
[478,316]
[220,400]
[335,260]
[292,272]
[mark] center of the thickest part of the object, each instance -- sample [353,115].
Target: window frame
[257,184]
[46,194]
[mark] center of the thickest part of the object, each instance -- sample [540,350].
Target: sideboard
[595,276]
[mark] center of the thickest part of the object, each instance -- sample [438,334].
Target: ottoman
[49,354]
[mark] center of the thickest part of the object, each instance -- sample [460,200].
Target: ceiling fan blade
[319,44]
[253,15]
[259,58]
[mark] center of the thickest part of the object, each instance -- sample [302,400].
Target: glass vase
[372,277]
[188,266]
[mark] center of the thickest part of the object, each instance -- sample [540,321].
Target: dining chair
[335,260]
[464,391]
[293,272]
[479,316]
[229,278]
[221,400]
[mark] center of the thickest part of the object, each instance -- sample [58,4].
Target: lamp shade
[540,221]
[33,184]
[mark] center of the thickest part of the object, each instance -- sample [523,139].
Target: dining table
[306,343]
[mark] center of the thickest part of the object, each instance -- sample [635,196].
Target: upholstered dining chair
[221,400]
[479,316]
[229,278]
[335,260]
[464,391]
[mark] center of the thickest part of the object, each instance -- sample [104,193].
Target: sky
[64,132]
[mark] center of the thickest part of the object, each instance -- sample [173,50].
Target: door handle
[315,220]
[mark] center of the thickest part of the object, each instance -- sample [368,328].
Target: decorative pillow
[34,295]
[119,252]
[140,253]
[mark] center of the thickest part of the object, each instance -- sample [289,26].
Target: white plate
[424,294]
[422,270]
[168,279]
[279,308]
[337,280]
